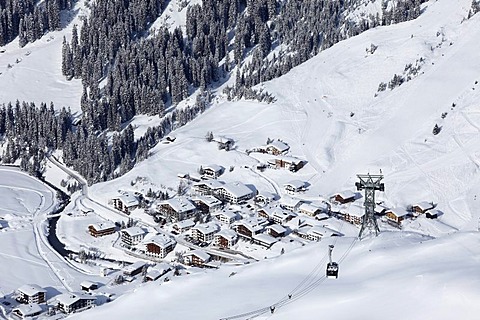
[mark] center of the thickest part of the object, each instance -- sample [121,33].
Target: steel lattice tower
[370,183]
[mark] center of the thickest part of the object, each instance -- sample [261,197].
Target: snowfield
[331,114]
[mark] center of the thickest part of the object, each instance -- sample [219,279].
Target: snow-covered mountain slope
[327,111]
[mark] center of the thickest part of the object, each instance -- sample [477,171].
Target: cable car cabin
[332,270]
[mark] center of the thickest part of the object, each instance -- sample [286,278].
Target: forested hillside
[127,69]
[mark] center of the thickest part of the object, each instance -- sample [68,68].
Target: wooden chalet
[289,163]
[422,207]
[226,216]
[235,192]
[126,202]
[343,197]
[396,215]
[157,271]
[134,268]
[212,171]
[31,293]
[183,226]
[207,204]
[74,302]
[27,311]
[132,236]
[295,186]
[197,258]
[204,232]
[264,240]
[247,228]
[159,246]
[433,213]
[101,229]
[309,209]
[88,285]
[264,198]
[353,214]
[226,238]
[177,209]
[277,147]
[208,187]
[276,230]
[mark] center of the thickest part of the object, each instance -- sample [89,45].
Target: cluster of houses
[33,299]
[279,156]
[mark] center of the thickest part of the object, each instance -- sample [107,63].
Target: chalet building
[212,171]
[396,215]
[27,311]
[264,198]
[134,269]
[227,216]
[235,192]
[343,197]
[309,209]
[75,302]
[31,293]
[289,163]
[276,231]
[433,213]
[101,229]
[126,202]
[289,203]
[207,204]
[132,236]
[264,240]
[354,214]
[224,143]
[207,187]
[204,232]
[226,238]
[422,207]
[248,228]
[157,271]
[197,258]
[182,226]
[295,186]
[277,147]
[282,216]
[177,209]
[88,285]
[316,232]
[159,246]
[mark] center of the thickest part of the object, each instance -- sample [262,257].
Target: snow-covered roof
[199,253]
[88,284]
[207,228]
[266,195]
[308,207]
[68,299]
[228,234]
[399,211]
[161,240]
[179,204]
[265,238]
[227,213]
[290,202]
[277,228]
[212,184]
[346,194]
[188,223]
[103,225]
[282,214]
[162,267]
[134,266]
[237,189]
[128,199]
[254,225]
[297,184]
[27,310]
[287,159]
[322,231]
[134,231]
[355,210]
[208,200]
[424,205]
[31,289]
[213,167]
[279,145]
